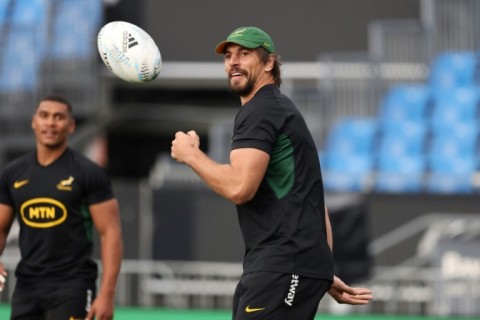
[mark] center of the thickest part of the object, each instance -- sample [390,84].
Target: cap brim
[246,44]
[220,48]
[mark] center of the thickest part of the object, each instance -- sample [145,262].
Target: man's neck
[46,155]
[245,99]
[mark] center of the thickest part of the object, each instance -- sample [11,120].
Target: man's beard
[241,91]
[54,146]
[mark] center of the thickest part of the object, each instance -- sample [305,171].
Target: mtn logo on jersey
[66,184]
[43,213]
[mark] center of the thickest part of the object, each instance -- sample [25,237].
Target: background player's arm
[106,217]
[237,181]
[6,220]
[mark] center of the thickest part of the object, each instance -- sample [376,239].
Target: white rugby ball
[129,52]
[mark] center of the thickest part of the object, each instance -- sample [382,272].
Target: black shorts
[50,303]
[279,296]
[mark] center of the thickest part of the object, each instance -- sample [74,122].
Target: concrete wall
[302,29]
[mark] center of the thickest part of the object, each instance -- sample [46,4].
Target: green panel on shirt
[280,172]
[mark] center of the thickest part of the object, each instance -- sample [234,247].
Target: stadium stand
[42,44]
[427,134]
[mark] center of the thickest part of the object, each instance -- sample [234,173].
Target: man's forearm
[112,253]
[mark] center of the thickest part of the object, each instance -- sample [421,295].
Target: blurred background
[389,89]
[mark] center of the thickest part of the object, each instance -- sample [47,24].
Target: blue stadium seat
[3,11]
[30,12]
[455,140]
[402,131]
[347,159]
[20,69]
[75,27]
[452,175]
[467,129]
[33,15]
[456,105]
[405,103]
[400,173]
[352,136]
[458,165]
[452,158]
[346,173]
[400,139]
[452,69]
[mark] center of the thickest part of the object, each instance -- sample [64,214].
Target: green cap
[248,37]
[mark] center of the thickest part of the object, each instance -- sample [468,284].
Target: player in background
[58,196]
[274,178]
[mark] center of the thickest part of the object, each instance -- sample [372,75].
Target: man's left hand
[344,294]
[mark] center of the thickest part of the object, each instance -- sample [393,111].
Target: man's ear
[270,63]
[72,126]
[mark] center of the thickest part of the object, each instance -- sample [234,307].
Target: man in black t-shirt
[57,196]
[274,178]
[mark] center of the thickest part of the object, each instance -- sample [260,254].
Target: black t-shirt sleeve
[257,126]
[98,187]
[5,197]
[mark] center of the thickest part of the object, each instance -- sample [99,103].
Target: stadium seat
[344,173]
[452,157]
[402,132]
[352,136]
[405,103]
[17,53]
[3,11]
[400,173]
[467,129]
[457,165]
[451,175]
[454,106]
[455,140]
[30,13]
[347,159]
[452,69]
[402,138]
[75,27]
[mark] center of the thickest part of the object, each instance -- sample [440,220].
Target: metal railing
[423,285]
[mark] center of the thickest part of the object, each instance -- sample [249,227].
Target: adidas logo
[128,41]
[131,41]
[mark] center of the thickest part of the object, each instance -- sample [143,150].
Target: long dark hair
[276,72]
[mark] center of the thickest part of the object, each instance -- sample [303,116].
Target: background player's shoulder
[22,161]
